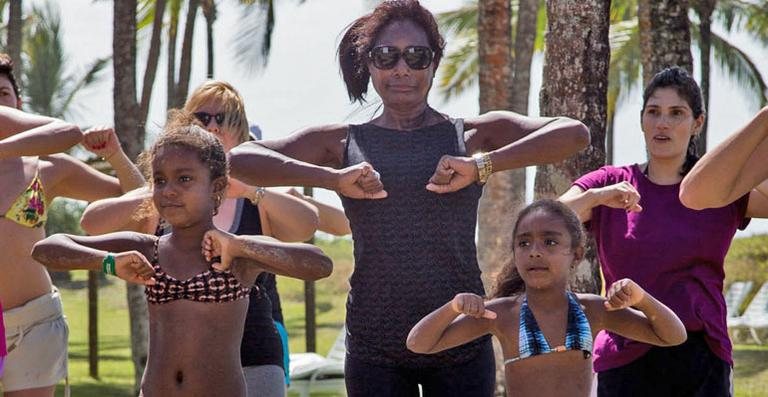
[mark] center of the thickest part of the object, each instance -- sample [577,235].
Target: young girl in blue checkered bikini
[534,314]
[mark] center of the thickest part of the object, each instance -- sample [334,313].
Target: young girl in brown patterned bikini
[198,275]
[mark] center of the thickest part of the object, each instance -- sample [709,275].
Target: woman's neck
[406,117]
[663,171]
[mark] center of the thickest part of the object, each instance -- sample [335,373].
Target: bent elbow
[690,200]
[322,268]
[40,252]
[581,134]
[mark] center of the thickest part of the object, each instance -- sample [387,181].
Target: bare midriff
[21,277]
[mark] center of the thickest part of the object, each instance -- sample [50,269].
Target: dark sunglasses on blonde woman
[386,57]
[206,118]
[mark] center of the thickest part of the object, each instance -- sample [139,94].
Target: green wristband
[108,264]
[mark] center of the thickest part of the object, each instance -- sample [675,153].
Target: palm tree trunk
[495,67]
[527,12]
[185,65]
[209,11]
[704,8]
[498,205]
[129,127]
[575,84]
[665,37]
[173,28]
[14,35]
[152,59]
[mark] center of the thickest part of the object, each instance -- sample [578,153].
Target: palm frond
[45,59]
[460,21]
[623,10]
[91,76]
[738,66]
[459,70]
[624,72]
[254,41]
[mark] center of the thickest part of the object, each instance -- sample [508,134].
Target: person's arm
[332,220]
[297,260]
[509,141]
[69,252]
[25,134]
[126,213]
[459,321]
[620,195]
[630,311]
[103,142]
[288,218]
[305,158]
[283,217]
[731,169]
[75,179]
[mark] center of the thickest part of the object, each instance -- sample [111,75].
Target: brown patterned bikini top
[210,286]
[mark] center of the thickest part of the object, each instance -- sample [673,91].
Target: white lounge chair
[735,296]
[755,317]
[313,373]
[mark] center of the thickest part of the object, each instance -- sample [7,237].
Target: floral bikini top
[29,207]
[531,341]
[210,286]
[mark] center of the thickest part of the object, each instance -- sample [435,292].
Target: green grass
[116,370]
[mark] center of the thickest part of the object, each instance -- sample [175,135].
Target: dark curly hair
[184,131]
[361,35]
[687,88]
[6,69]
[509,281]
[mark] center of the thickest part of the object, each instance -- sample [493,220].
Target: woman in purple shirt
[644,232]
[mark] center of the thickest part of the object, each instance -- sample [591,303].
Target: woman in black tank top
[408,185]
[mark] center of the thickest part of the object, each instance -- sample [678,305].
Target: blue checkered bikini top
[578,334]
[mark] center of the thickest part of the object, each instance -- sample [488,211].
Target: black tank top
[261,343]
[415,250]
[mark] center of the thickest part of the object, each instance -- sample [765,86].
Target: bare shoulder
[594,308]
[504,307]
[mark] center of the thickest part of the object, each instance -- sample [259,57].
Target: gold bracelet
[257,195]
[484,167]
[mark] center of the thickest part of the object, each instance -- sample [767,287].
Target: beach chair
[735,296]
[313,373]
[755,317]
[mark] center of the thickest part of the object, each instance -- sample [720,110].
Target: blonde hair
[224,93]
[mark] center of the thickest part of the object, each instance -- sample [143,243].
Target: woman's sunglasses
[205,118]
[416,57]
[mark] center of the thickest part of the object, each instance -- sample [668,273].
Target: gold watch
[484,167]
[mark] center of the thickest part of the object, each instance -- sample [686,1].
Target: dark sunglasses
[416,57]
[205,118]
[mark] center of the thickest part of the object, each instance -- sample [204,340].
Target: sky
[301,85]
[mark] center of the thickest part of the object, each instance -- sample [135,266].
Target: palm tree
[504,194]
[665,36]
[575,84]
[15,23]
[209,12]
[47,89]
[130,116]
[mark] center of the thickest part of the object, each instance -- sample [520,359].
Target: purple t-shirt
[673,252]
